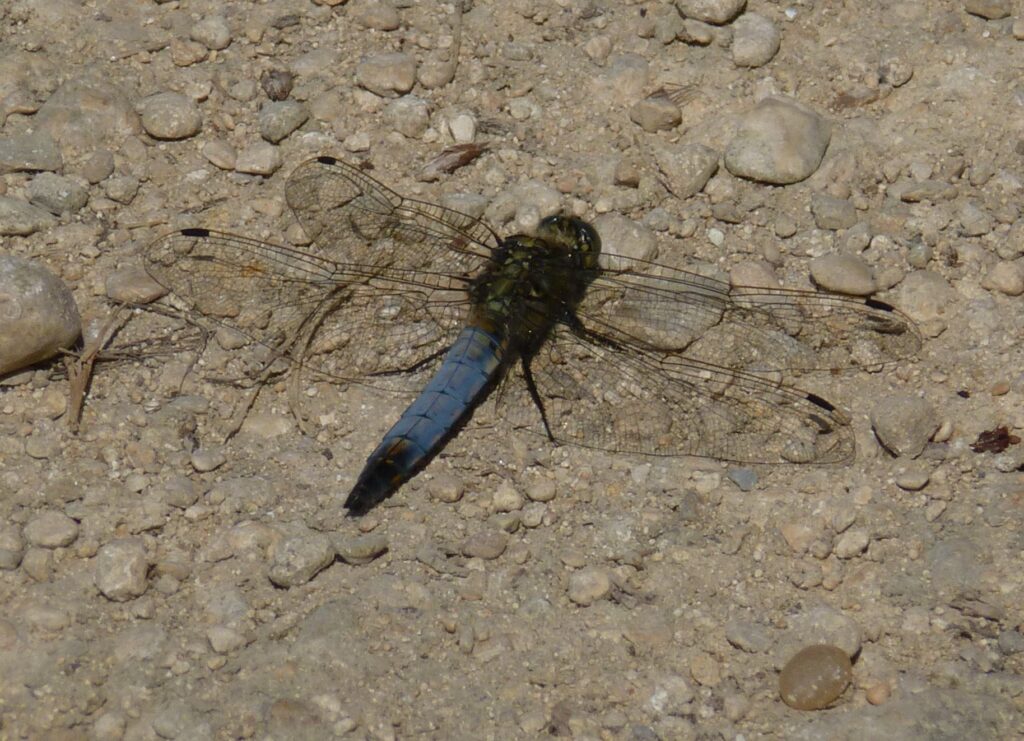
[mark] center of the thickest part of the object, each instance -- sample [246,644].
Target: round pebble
[299,557]
[904,423]
[51,530]
[755,40]
[213,32]
[38,315]
[588,585]
[12,546]
[133,285]
[19,219]
[487,544]
[121,569]
[843,273]
[277,119]
[261,158]
[171,116]
[780,142]
[656,113]
[57,194]
[815,677]
[387,75]
[361,549]
[711,11]
[1006,278]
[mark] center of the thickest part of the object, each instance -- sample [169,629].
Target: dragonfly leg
[531,385]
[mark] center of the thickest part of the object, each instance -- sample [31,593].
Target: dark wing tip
[195,232]
[874,303]
[325,159]
[819,402]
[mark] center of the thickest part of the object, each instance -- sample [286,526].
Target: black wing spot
[818,401]
[874,303]
[195,231]
[325,159]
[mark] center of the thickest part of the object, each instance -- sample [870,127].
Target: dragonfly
[603,351]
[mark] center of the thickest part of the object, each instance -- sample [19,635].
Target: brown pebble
[878,694]
[1000,388]
[815,677]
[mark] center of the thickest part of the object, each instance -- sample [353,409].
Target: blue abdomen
[466,375]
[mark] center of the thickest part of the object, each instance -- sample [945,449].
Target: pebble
[300,556]
[58,194]
[220,154]
[86,113]
[39,315]
[18,218]
[212,31]
[377,14]
[974,221]
[624,78]
[672,695]
[277,119]
[178,491]
[121,569]
[687,168]
[822,624]
[12,546]
[926,295]
[38,564]
[621,235]
[711,11]
[815,677]
[1005,277]
[277,83]
[913,477]
[462,127]
[904,423]
[589,585]
[133,285]
[779,142]
[260,158]
[991,10]
[656,113]
[205,460]
[486,544]
[98,167]
[224,640]
[748,636]
[755,40]
[171,116]
[851,544]
[387,75]
[831,212]
[122,188]
[51,529]
[843,273]
[878,693]
[360,549]
[507,499]
[408,115]
[29,152]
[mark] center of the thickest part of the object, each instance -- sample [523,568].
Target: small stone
[843,273]
[852,543]
[706,670]
[463,128]
[277,119]
[507,499]
[387,75]
[711,11]
[57,194]
[974,221]
[913,477]
[779,142]
[748,636]
[408,115]
[260,158]
[171,116]
[121,569]
[377,14]
[815,677]
[878,693]
[299,557]
[122,188]
[98,167]
[39,314]
[213,32]
[179,491]
[991,10]
[18,218]
[541,490]
[798,535]
[205,460]
[277,83]
[51,529]
[34,152]
[12,547]
[832,213]
[656,113]
[220,154]
[904,423]
[225,640]
[487,544]
[133,285]
[1006,277]
[688,168]
[38,564]
[589,584]
[361,549]
[755,40]
[744,478]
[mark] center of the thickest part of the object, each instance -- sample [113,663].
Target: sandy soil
[514,589]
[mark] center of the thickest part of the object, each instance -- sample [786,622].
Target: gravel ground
[158,584]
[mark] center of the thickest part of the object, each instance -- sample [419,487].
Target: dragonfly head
[574,235]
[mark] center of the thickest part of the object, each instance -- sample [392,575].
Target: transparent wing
[623,398]
[345,321]
[757,330]
[355,219]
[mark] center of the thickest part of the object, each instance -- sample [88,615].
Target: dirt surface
[157,584]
